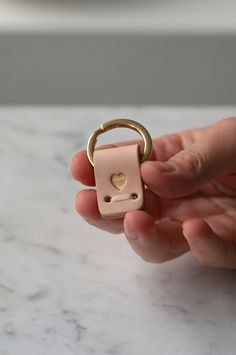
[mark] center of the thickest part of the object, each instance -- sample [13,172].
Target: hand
[190,200]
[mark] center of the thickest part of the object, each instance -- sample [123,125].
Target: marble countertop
[67,288]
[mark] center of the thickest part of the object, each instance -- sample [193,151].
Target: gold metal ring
[122,122]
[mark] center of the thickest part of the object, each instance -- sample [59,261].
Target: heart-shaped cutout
[118,180]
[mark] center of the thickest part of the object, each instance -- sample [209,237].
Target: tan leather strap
[118,181]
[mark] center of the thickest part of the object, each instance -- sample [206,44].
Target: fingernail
[162,166]
[130,233]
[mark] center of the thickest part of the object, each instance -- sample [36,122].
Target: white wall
[117,52]
[121,16]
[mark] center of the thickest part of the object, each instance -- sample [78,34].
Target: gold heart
[118,180]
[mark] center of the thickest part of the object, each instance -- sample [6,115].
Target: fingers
[82,170]
[207,247]
[154,242]
[210,156]
[178,209]
[87,207]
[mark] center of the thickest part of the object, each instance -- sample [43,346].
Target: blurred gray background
[117,52]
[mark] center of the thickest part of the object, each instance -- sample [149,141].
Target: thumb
[185,172]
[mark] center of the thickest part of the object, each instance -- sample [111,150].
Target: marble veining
[67,288]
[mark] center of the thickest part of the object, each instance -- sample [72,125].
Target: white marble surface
[67,288]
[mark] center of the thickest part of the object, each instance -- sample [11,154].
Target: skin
[190,200]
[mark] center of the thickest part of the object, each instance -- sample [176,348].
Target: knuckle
[159,148]
[226,126]
[195,161]
[191,160]
[226,122]
[226,130]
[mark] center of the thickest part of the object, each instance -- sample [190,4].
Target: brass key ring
[116,124]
